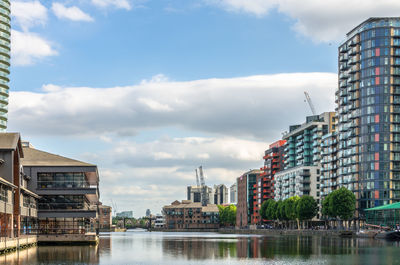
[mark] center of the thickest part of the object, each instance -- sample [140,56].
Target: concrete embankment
[12,244]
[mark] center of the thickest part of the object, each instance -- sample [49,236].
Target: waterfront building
[368,105]
[302,156]
[220,194]
[329,164]
[105,217]
[264,187]
[5,40]
[191,215]
[18,204]
[233,194]
[68,190]
[159,221]
[245,194]
[125,214]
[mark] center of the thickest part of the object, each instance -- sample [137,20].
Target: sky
[148,90]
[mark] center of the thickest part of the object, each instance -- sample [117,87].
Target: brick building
[105,217]
[264,186]
[191,215]
[245,196]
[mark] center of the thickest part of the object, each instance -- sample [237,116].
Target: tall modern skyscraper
[5,34]
[368,106]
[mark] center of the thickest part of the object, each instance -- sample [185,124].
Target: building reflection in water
[52,255]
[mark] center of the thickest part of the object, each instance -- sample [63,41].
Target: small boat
[367,233]
[393,235]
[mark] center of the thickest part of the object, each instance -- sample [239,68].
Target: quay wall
[12,244]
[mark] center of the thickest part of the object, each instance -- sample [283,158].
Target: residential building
[191,215]
[159,221]
[148,213]
[368,106]
[233,194]
[18,204]
[5,36]
[68,190]
[194,194]
[125,214]
[220,194]
[245,195]
[302,156]
[329,164]
[105,217]
[264,187]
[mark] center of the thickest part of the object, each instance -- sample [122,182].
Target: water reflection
[209,248]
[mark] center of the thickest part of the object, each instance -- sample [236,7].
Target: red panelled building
[264,187]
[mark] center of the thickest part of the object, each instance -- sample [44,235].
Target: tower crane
[310,103]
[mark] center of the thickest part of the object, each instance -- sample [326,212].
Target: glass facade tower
[368,106]
[5,34]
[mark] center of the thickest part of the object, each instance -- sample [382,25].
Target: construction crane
[204,197]
[197,179]
[114,206]
[310,103]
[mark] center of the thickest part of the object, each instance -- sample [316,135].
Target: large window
[63,202]
[4,193]
[62,180]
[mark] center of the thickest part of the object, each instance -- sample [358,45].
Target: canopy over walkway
[385,215]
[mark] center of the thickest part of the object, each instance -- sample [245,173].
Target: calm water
[139,247]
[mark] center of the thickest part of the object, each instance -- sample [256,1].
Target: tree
[326,203]
[270,211]
[343,204]
[290,206]
[227,214]
[279,211]
[264,207]
[306,208]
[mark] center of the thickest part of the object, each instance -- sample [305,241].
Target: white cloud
[255,106]
[322,21]
[28,13]
[72,13]
[215,151]
[121,4]
[27,48]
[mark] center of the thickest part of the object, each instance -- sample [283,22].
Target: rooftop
[35,157]
[10,141]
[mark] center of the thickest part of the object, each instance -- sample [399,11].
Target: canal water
[140,247]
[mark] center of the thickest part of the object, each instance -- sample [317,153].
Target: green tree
[343,204]
[278,212]
[232,214]
[270,212]
[306,208]
[290,206]
[227,214]
[264,207]
[326,206]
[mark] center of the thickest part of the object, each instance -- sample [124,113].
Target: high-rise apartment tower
[368,106]
[5,34]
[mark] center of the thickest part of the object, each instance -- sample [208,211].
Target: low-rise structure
[159,221]
[105,217]
[191,215]
[68,190]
